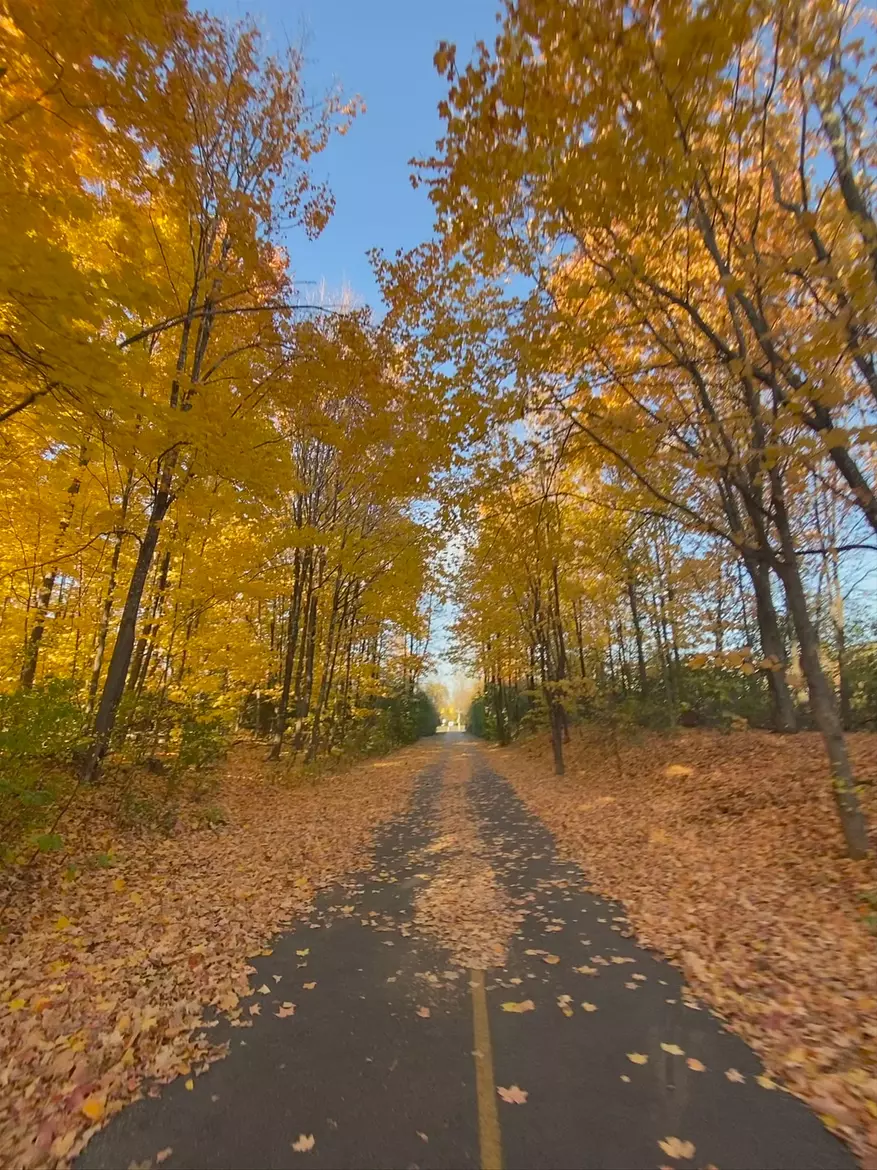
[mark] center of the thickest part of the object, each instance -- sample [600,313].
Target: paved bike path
[377,1065]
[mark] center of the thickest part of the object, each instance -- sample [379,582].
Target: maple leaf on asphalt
[286,1009]
[589,1007]
[695,1065]
[674,1147]
[513,1095]
[673,1049]
[638,1057]
[733,1075]
[304,1143]
[424,1013]
[526,1006]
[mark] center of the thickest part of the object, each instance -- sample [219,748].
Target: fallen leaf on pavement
[513,1095]
[304,1143]
[526,1006]
[674,1147]
[638,1057]
[673,1049]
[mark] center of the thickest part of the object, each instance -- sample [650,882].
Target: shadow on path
[378,1085]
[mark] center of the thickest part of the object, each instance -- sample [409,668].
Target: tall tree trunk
[146,642]
[336,622]
[638,633]
[785,718]
[822,704]
[47,586]
[292,625]
[114,685]
[304,675]
[499,712]
[556,715]
[107,607]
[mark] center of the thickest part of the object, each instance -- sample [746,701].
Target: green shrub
[40,734]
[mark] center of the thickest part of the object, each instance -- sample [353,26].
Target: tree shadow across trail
[355,1067]
[642,1062]
[610,1063]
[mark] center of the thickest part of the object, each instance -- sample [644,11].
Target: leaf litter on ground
[104,986]
[726,853]
[464,906]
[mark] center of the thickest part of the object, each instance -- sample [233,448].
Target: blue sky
[382,50]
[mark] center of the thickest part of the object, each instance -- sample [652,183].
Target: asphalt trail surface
[378,1063]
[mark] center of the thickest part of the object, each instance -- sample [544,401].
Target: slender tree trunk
[292,625]
[499,712]
[305,673]
[637,627]
[146,642]
[336,622]
[47,586]
[114,685]
[785,718]
[822,704]
[107,608]
[556,730]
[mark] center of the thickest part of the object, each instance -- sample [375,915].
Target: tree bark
[822,704]
[785,718]
[292,625]
[114,686]
[47,586]
[638,633]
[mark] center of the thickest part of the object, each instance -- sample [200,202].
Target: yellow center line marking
[489,1136]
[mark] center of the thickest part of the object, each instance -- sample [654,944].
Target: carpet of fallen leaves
[106,975]
[727,854]
[464,907]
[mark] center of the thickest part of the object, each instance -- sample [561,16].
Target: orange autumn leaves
[651,825]
[110,999]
